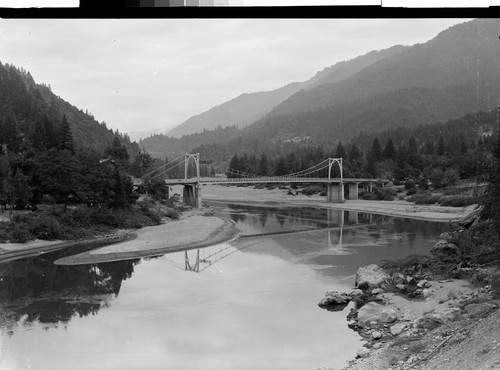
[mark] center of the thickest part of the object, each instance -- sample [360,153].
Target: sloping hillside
[453,74]
[25,102]
[250,107]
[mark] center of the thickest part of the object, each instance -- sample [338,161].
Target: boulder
[397,328]
[376,312]
[478,310]
[376,335]
[445,251]
[446,236]
[362,352]
[398,278]
[471,218]
[370,277]
[444,314]
[355,292]
[422,284]
[335,301]
[377,291]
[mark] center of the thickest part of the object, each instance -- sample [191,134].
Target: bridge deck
[254,180]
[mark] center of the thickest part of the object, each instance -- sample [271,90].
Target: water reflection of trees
[37,290]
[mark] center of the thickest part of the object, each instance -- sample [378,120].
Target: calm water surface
[249,304]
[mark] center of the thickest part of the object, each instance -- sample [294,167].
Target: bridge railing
[229,180]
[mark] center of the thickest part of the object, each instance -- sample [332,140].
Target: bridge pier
[353,191]
[335,193]
[192,195]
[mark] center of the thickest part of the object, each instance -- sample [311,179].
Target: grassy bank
[79,222]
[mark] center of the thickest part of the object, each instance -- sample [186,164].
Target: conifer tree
[389,150]
[340,152]
[376,151]
[65,136]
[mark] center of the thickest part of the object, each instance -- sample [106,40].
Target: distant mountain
[28,103]
[455,73]
[250,107]
[239,111]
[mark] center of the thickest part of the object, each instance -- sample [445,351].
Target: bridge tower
[335,191]
[192,192]
[196,158]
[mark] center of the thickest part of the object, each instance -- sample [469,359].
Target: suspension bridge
[318,173]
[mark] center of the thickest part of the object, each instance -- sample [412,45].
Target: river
[248,304]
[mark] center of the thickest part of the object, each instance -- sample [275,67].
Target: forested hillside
[29,105]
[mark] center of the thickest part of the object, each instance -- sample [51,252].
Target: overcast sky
[139,75]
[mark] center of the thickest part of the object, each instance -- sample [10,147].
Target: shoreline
[280,198]
[139,247]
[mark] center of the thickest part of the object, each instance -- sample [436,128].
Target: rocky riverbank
[424,313]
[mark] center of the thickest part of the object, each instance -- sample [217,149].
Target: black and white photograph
[249,193]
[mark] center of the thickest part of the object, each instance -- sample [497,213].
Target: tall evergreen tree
[412,146]
[340,152]
[376,150]
[389,150]
[441,147]
[234,166]
[119,199]
[263,165]
[65,136]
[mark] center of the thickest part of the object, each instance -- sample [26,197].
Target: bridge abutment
[335,193]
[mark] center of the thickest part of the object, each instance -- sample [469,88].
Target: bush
[20,234]
[154,215]
[385,193]
[47,228]
[453,191]
[411,191]
[369,196]
[172,213]
[457,201]
[312,189]
[424,198]
[409,184]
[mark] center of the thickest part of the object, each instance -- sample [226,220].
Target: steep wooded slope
[455,73]
[249,107]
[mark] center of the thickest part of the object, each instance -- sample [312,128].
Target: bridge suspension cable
[162,168]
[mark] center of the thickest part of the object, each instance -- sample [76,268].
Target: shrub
[46,228]
[411,191]
[154,215]
[424,198]
[312,189]
[457,200]
[452,191]
[369,196]
[172,213]
[385,193]
[20,234]
[409,184]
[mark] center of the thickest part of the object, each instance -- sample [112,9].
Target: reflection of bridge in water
[208,256]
